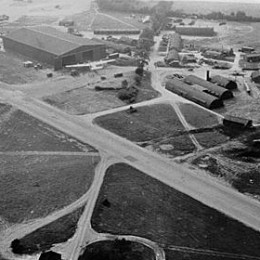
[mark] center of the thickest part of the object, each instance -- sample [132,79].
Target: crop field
[58,231]
[21,132]
[12,70]
[32,186]
[86,99]
[155,127]
[27,20]
[117,250]
[142,206]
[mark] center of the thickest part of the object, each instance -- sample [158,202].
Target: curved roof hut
[210,88]
[192,93]
[224,82]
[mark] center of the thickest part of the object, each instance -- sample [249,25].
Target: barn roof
[175,42]
[49,39]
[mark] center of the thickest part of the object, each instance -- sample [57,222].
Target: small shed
[224,82]
[237,122]
[255,76]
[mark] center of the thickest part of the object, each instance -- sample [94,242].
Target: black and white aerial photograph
[129,130]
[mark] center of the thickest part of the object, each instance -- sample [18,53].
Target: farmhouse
[195,31]
[223,82]
[209,88]
[191,92]
[50,46]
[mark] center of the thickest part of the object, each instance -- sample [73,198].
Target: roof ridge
[51,35]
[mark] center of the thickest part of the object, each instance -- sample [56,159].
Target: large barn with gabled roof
[48,45]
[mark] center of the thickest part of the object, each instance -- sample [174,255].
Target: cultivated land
[142,206]
[58,231]
[86,99]
[156,126]
[114,249]
[21,132]
[32,186]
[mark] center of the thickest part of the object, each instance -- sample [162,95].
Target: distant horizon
[216,1]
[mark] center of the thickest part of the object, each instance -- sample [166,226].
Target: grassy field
[198,117]
[156,127]
[21,132]
[148,123]
[33,186]
[143,206]
[56,232]
[12,70]
[87,100]
[117,250]
[236,162]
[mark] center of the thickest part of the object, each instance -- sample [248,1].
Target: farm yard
[142,206]
[99,95]
[33,186]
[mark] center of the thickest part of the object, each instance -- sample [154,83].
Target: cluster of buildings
[208,93]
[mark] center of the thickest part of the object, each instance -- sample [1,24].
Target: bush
[128,94]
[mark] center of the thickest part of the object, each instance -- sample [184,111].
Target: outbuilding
[172,56]
[175,42]
[192,93]
[237,122]
[255,76]
[209,87]
[48,45]
[195,31]
[224,82]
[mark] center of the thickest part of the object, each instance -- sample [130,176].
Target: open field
[58,231]
[237,162]
[155,127]
[32,186]
[21,132]
[198,117]
[117,250]
[86,99]
[12,70]
[143,206]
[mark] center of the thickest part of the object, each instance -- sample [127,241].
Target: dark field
[117,250]
[148,123]
[198,117]
[142,206]
[56,232]
[21,132]
[34,186]
[154,127]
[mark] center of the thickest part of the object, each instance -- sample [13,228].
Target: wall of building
[28,51]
